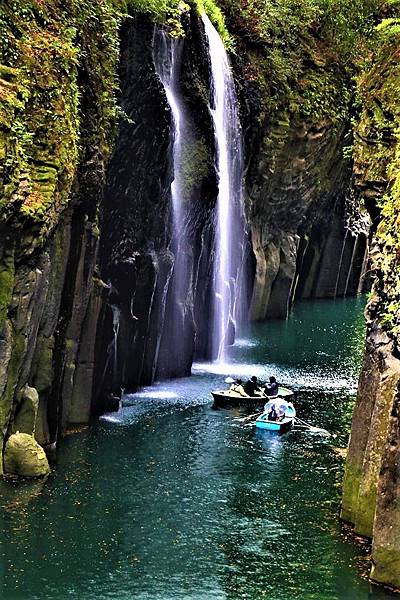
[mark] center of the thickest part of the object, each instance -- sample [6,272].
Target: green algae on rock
[23,456]
[372,485]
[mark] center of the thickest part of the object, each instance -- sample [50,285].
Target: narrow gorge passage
[177,180]
[193,505]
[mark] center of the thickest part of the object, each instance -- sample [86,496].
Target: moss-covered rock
[372,485]
[23,456]
[377,169]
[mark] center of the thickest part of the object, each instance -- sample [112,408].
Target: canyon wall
[57,112]
[86,255]
[87,301]
[371,494]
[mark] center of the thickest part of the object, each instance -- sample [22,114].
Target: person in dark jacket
[251,386]
[271,389]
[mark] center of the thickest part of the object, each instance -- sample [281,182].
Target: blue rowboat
[285,411]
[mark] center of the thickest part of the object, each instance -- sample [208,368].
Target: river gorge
[189,192]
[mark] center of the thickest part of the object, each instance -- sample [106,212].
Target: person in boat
[271,388]
[281,414]
[237,388]
[251,387]
[272,416]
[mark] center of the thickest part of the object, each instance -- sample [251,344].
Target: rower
[271,388]
[272,416]
[251,386]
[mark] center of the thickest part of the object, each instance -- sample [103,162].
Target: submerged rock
[23,456]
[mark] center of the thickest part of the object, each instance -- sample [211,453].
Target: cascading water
[167,60]
[116,312]
[230,222]
[167,56]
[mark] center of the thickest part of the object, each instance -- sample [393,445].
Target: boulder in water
[23,456]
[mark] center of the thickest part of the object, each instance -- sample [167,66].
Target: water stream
[230,225]
[170,499]
[167,56]
[116,313]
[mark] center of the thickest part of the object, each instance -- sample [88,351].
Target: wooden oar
[311,427]
[252,417]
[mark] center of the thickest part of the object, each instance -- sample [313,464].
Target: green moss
[386,565]
[40,97]
[195,164]
[377,155]
[214,13]
[6,400]
[6,286]
[351,487]
[302,53]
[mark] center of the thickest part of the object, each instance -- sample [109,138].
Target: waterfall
[230,220]
[167,57]
[116,312]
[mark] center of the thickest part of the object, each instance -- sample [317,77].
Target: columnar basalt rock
[50,198]
[376,397]
[372,479]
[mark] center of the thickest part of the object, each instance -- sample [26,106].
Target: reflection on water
[170,499]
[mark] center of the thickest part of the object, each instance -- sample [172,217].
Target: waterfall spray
[230,219]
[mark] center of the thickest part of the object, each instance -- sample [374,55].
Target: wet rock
[370,427]
[386,547]
[371,488]
[23,456]
[267,258]
[24,419]
[281,293]
[81,400]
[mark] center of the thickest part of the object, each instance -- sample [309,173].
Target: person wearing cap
[251,386]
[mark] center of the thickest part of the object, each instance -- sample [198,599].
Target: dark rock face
[135,221]
[372,478]
[300,253]
[143,316]
[49,277]
[299,191]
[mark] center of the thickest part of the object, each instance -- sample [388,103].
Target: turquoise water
[170,499]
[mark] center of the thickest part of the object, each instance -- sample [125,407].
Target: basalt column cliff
[110,178]
[371,495]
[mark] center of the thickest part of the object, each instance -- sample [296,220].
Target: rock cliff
[57,113]
[372,479]
[87,263]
